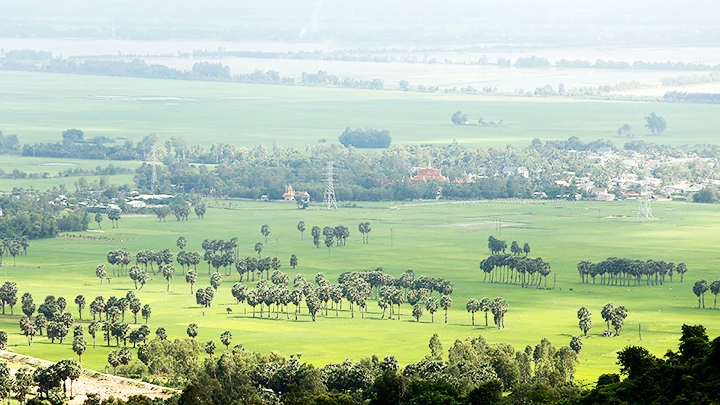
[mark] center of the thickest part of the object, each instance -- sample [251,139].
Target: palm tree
[210,347]
[445,303]
[585,318]
[485,306]
[146,312]
[417,312]
[98,219]
[472,306]
[301,228]
[499,309]
[101,272]
[699,288]
[226,339]
[192,330]
[431,304]
[607,313]
[168,270]
[265,231]
[80,301]
[215,280]
[190,278]
[681,269]
[259,248]
[181,242]
[715,289]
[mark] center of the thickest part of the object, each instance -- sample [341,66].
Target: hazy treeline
[39,61]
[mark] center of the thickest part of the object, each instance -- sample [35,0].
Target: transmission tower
[153,159]
[329,197]
[645,210]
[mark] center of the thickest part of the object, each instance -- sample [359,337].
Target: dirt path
[95,382]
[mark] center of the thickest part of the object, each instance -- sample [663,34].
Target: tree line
[36,216]
[626,272]
[515,267]
[205,71]
[355,288]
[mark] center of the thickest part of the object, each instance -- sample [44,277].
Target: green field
[39,106]
[53,166]
[435,239]
[50,168]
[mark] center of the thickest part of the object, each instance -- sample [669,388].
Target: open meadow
[440,239]
[39,106]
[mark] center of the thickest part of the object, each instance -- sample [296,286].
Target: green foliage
[365,138]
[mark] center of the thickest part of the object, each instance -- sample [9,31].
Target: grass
[439,239]
[68,182]
[53,166]
[50,169]
[39,106]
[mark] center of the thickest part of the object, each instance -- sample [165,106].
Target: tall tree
[431,304]
[192,330]
[190,278]
[226,338]
[485,306]
[655,123]
[80,301]
[181,242]
[265,231]
[146,312]
[700,288]
[472,306]
[445,304]
[715,289]
[100,272]
[681,269]
[585,320]
[98,219]
[168,270]
[301,228]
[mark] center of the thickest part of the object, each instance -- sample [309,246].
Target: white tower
[329,197]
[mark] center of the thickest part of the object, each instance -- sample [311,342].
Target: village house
[428,174]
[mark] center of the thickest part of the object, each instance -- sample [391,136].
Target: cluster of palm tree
[364,228]
[498,307]
[262,266]
[514,269]
[333,236]
[626,272]
[187,259]
[14,247]
[114,216]
[147,258]
[51,317]
[120,259]
[584,320]
[356,288]
[220,253]
[113,324]
[615,316]
[8,296]
[42,381]
[702,286]
[496,246]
